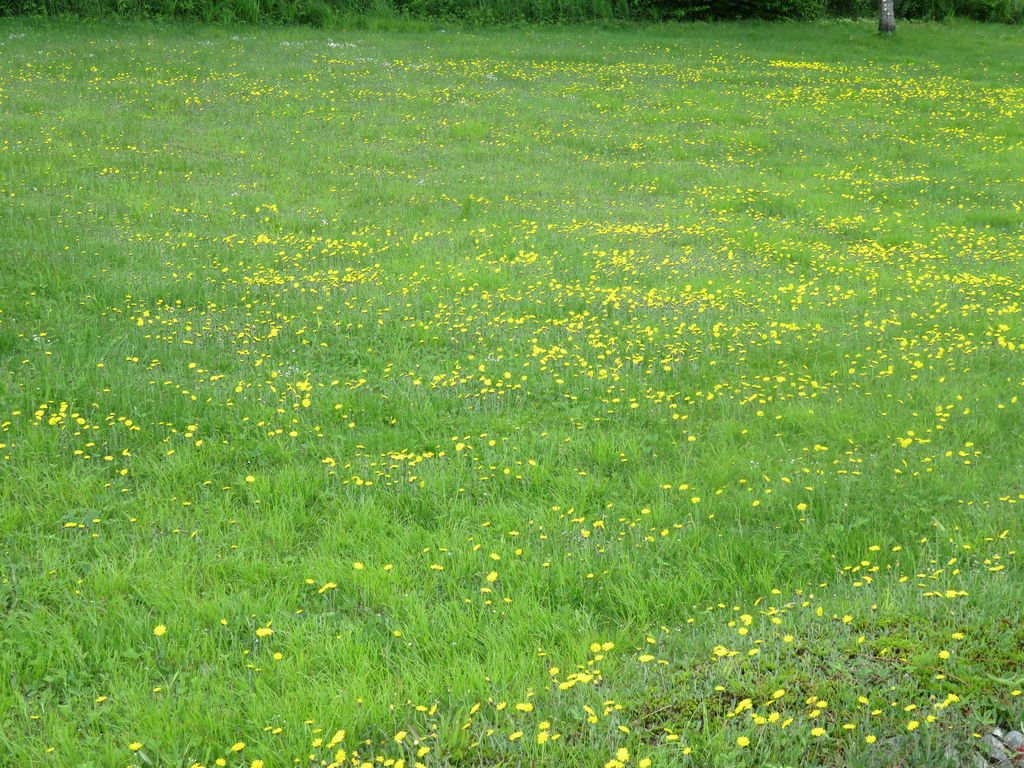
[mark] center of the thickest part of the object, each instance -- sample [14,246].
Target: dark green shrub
[740,9]
[323,12]
[1002,11]
[851,9]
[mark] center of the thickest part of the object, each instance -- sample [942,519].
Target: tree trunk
[886,16]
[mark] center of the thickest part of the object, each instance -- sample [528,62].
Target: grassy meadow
[526,397]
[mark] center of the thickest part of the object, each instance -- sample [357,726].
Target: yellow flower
[159,630]
[264,632]
[742,741]
[135,746]
[238,746]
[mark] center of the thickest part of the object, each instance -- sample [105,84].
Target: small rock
[1014,740]
[993,748]
[893,742]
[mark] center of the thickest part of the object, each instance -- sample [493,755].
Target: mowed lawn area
[649,396]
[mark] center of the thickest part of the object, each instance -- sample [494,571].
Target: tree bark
[886,16]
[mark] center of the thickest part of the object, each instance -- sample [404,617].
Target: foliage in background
[482,12]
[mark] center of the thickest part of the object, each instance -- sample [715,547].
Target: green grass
[631,376]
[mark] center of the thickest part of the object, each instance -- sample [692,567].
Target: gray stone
[1014,740]
[894,743]
[993,748]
